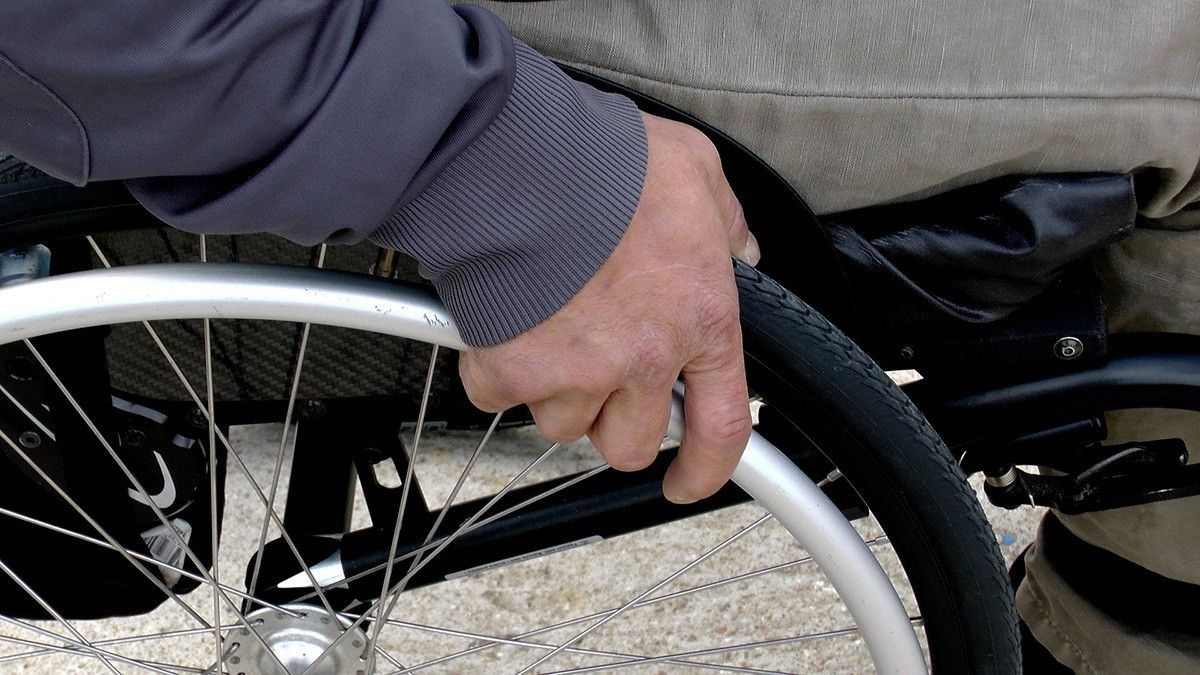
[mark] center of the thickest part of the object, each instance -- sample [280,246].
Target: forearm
[319,121]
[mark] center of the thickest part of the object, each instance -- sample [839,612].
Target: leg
[859,102]
[1152,284]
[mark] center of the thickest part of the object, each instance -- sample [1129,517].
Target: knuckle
[471,385]
[729,426]
[599,377]
[487,401]
[699,145]
[489,388]
[560,421]
[559,432]
[716,316]
[482,401]
[707,157]
[692,149]
[652,360]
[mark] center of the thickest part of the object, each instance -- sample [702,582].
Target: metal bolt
[907,353]
[312,409]
[197,418]
[1003,480]
[1068,348]
[133,438]
[21,369]
[30,439]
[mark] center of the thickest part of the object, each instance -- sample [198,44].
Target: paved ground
[580,581]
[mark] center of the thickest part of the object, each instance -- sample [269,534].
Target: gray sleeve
[425,127]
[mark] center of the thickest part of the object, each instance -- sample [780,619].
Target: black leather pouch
[986,276]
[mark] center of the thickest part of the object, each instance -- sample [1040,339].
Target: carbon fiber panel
[253,360]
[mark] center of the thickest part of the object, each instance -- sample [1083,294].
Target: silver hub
[296,641]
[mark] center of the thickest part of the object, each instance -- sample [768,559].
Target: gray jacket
[422,126]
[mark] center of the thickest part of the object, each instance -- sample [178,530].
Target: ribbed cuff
[523,217]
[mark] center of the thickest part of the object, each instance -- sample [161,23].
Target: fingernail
[676,498]
[750,254]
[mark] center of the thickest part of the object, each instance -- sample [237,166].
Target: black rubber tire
[810,373]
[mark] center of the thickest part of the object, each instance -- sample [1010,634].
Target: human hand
[663,305]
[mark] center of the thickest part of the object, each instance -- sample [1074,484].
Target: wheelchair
[389,525]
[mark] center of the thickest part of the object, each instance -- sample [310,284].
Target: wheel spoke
[474,526]
[745,576]
[153,561]
[645,594]
[43,649]
[112,542]
[224,440]
[278,468]
[400,510]
[28,415]
[437,523]
[728,649]
[516,642]
[242,467]
[458,485]
[465,527]
[214,536]
[441,546]
[608,614]
[141,489]
[760,644]
[77,648]
[16,578]
[643,603]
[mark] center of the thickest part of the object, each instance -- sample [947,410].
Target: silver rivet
[1068,348]
[30,439]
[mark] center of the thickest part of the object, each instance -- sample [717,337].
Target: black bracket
[1099,478]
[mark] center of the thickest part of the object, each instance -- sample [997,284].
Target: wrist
[523,217]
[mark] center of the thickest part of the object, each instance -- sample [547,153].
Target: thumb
[742,244]
[716,426]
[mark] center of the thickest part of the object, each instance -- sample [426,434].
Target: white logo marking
[166,496]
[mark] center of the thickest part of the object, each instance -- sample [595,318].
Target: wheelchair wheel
[497,553]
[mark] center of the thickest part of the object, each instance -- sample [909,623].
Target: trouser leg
[861,102]
[1152,283]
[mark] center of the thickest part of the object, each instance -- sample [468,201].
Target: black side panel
[35,208]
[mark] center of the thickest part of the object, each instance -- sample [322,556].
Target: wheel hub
[297,642]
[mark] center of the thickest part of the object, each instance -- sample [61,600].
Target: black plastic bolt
[197,418]
[312,409]
[21,369]
[133,438]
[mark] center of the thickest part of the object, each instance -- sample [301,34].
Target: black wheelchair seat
[989,276]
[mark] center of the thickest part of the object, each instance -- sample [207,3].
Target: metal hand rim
[297,294]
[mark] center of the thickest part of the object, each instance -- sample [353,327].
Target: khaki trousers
[861,102]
